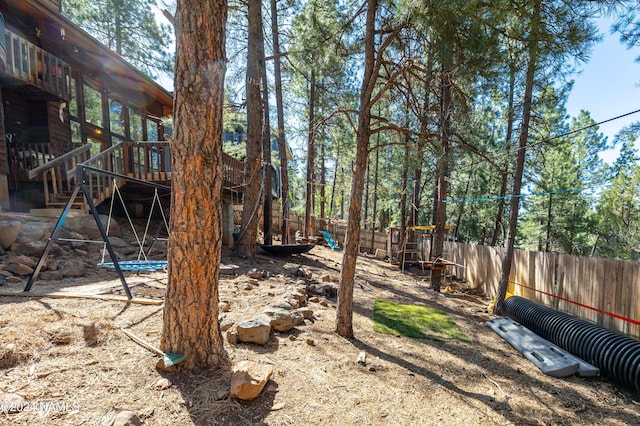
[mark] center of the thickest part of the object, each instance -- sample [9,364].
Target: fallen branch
[59,295]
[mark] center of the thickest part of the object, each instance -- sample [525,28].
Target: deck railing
[31,64]
[55,172]
[148,161]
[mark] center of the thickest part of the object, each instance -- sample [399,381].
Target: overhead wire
[544,141]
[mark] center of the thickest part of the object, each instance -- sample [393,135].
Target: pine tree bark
[344,314]
[253,189]
[190,320]
[282,145]
[311,156]
[507,145]
[267,217]
[443,177]
[522,149]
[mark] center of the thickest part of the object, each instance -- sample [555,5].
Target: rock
[31,248]
[324,303]
[293,302]
[3,280]
[126,418]
[283,320]
[300,296]
[226,324]
[14,280]
[362,358]
[118,242]
[256,330]
[146,412]
[125,251]
[293,337]
[78,245]
[248,378]
[247,286]
[222,394]
[310,341]
[162,384]
[314,299]
[232,336]
[86,225]
[9,230]
[327,290]
[19,269]
[73,271]
[225,306]
[307,313]
[256,274]
[51,276]
[326,278]
[25,260]
[33,231]
[302,272]
[283,304]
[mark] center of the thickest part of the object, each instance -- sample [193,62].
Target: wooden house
[61,89]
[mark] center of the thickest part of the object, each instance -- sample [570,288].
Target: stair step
[76,205]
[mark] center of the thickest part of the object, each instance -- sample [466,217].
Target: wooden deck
[144,161]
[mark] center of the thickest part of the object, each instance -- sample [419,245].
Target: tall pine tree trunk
[282,145]
[375,198]
[522,148]
[334,184]
[344,314]
[403,204]
[267,215]
[190,325]
[442,168]
[253,189]
[311,151]
[323,185]
[507,145]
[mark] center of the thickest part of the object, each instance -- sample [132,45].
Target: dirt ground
[66,362]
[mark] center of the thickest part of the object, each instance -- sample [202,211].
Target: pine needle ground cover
[420,322]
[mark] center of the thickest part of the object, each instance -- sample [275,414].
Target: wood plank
[63,295]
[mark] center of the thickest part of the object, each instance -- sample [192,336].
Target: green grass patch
[420,322]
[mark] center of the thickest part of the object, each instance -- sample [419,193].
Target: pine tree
[128,27]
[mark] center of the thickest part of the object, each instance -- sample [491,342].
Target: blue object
[138,265]
[329,239]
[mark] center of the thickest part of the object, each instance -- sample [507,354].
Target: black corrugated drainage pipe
[617,355]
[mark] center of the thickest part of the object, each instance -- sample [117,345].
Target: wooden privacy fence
[588,288]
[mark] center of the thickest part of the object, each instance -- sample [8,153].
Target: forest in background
[449,105]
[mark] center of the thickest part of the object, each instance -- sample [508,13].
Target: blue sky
[608,85]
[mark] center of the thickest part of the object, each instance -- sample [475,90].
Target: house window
[135,120]
[116,117]
[152,129]
[73,103]
[76,133]
[93,106]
